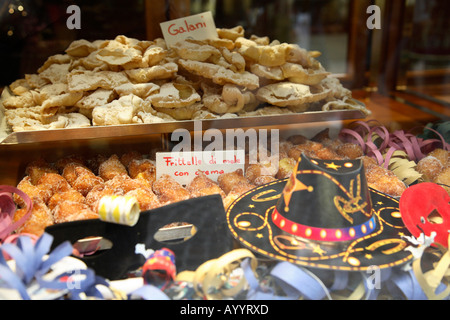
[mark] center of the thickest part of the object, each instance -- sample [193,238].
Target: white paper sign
[185,166]
[199,27]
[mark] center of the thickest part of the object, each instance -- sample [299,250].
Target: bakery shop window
[425,50]
[31,31]
[321,25]
[409,54]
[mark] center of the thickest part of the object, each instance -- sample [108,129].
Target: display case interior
[370,90]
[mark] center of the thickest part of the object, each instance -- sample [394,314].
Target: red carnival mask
[425,208]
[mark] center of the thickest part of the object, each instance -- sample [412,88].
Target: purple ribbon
[8,208]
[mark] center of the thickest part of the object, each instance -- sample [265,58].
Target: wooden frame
[157,11]
[358,46]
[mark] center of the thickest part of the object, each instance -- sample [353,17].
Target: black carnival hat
[323,216]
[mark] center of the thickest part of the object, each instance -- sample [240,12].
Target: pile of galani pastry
[128,81]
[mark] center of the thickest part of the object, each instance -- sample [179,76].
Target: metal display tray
[168,127]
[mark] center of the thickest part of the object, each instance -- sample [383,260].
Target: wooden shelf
[401,111]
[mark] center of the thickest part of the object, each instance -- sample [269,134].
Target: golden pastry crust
[146,198]
[261,180]
[70,195]
[429,167]
[144,168]
[36,169]
[84,86]
[72,170]
[94,196]
[228,181]
[127,157]
[348,150]
[168,190]
[286,167]
[34,192]
[384,180]
[53,182]
[40,218]
[122,184]
[67,211]
[443,178]
[442,155]
[111,168]
[257,170]
[201,185]
[235,192]
[309,148]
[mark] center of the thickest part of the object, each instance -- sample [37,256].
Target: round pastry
[429,167]
[111,168]
[36,169]
[349,150]
[442,155]
[53,182]
[70,195]
[201,185]
[443,178]
[40,218]
[142,167]
[145,197]
[94,196]
[34,192]
[67,211]
[168,190]
[384,180]
[285,167]
[260,169]
[228,181]
[127,157]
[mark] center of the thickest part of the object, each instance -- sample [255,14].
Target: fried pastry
[40,218]
[93,163]
[53,182]
[442,155]
[94,196]
[86,181]
[144,168]
[36,169]
[127,157]
[34,192]
[168,190]
[257,170]
[349,150]
[383,180]
[122,184]
[111,168]
[70,195]
[67,211]
[283,94]
[236,191]
[286,167]
[60,164]
[146,198]
[443,178]
[201,185]
[261,180]
[429,167]
[228,181]
[72,170]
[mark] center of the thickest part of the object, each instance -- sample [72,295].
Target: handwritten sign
[185,166]
[199,27]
